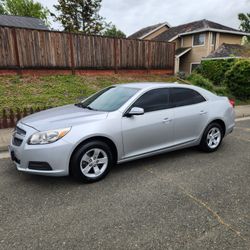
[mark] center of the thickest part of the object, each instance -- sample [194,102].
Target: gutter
[221,58]
[211,30]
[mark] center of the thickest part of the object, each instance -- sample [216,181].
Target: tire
[91,162]
[212,138]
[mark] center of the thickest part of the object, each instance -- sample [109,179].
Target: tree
[245,23]
[80,15]
[2,10]
[112,31]
[26,8]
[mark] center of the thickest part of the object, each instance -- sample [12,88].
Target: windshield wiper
[80,105]
[88,107]
[84,107]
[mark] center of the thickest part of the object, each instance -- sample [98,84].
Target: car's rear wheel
[212,138]
[92,161]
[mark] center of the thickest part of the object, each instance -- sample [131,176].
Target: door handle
[167,120]
[203,112]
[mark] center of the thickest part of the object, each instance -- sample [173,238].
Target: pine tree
[80,15]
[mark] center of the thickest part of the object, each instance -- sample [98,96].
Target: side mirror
[135,111]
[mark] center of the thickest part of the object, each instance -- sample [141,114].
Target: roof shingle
[22,22]
[230,50]
[191,27]
[144,31]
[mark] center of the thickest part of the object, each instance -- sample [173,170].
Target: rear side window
[153,100]
[182,97]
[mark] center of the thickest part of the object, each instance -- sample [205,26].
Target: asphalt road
[180,200]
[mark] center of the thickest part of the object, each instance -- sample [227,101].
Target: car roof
[148,85]
[153,85]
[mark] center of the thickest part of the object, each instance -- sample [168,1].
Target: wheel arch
[220,122]
[105,139]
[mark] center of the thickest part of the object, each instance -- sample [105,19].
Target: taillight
[232,102]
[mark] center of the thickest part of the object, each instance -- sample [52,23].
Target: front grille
[18,136]
[20,131]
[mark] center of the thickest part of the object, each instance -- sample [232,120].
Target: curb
[3,149]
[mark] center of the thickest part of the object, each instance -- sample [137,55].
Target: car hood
[62,117]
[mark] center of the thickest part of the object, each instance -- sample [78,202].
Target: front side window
[153,100]
[109,99]
[183,96]
[199,39]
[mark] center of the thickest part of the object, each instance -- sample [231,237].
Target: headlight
[47,137]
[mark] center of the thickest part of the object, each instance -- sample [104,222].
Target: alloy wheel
[213,137]
[94,162]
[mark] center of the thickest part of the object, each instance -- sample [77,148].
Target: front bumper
[56,155]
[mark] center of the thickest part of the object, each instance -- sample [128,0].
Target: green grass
[51,91]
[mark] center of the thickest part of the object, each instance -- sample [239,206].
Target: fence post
[115,53]
[12,119]
[149,56]
[18,114]
[24,112]
[5,122]
[16,51]
[72,54]
[173,56]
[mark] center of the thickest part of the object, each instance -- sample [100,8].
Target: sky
[131,15]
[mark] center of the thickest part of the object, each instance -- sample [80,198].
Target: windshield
[109,99]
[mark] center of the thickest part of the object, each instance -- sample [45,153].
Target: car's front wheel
[92,161]
[211,138]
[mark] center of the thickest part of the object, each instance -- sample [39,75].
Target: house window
[199,39]
[194,66]
[213,38]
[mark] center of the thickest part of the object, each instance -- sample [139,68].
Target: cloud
[131,15]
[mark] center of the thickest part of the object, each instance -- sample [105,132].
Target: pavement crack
[217,217]
[201,204]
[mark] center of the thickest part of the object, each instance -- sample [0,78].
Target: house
[22,22]
[193,41]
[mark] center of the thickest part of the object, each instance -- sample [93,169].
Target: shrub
[237,79]
[222,91]
[199,80]
[215,70]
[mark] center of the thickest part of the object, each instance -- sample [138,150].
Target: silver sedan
[118,124]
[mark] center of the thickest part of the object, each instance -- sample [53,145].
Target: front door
[151,131]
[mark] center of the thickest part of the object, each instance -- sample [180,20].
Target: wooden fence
[9,117]
[26,49]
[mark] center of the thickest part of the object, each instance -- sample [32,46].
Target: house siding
[156,33]
[229,38]
[197,52]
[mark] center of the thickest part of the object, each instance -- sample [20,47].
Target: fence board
[7,49]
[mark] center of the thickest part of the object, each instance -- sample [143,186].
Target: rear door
[151,131]
[190,114]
